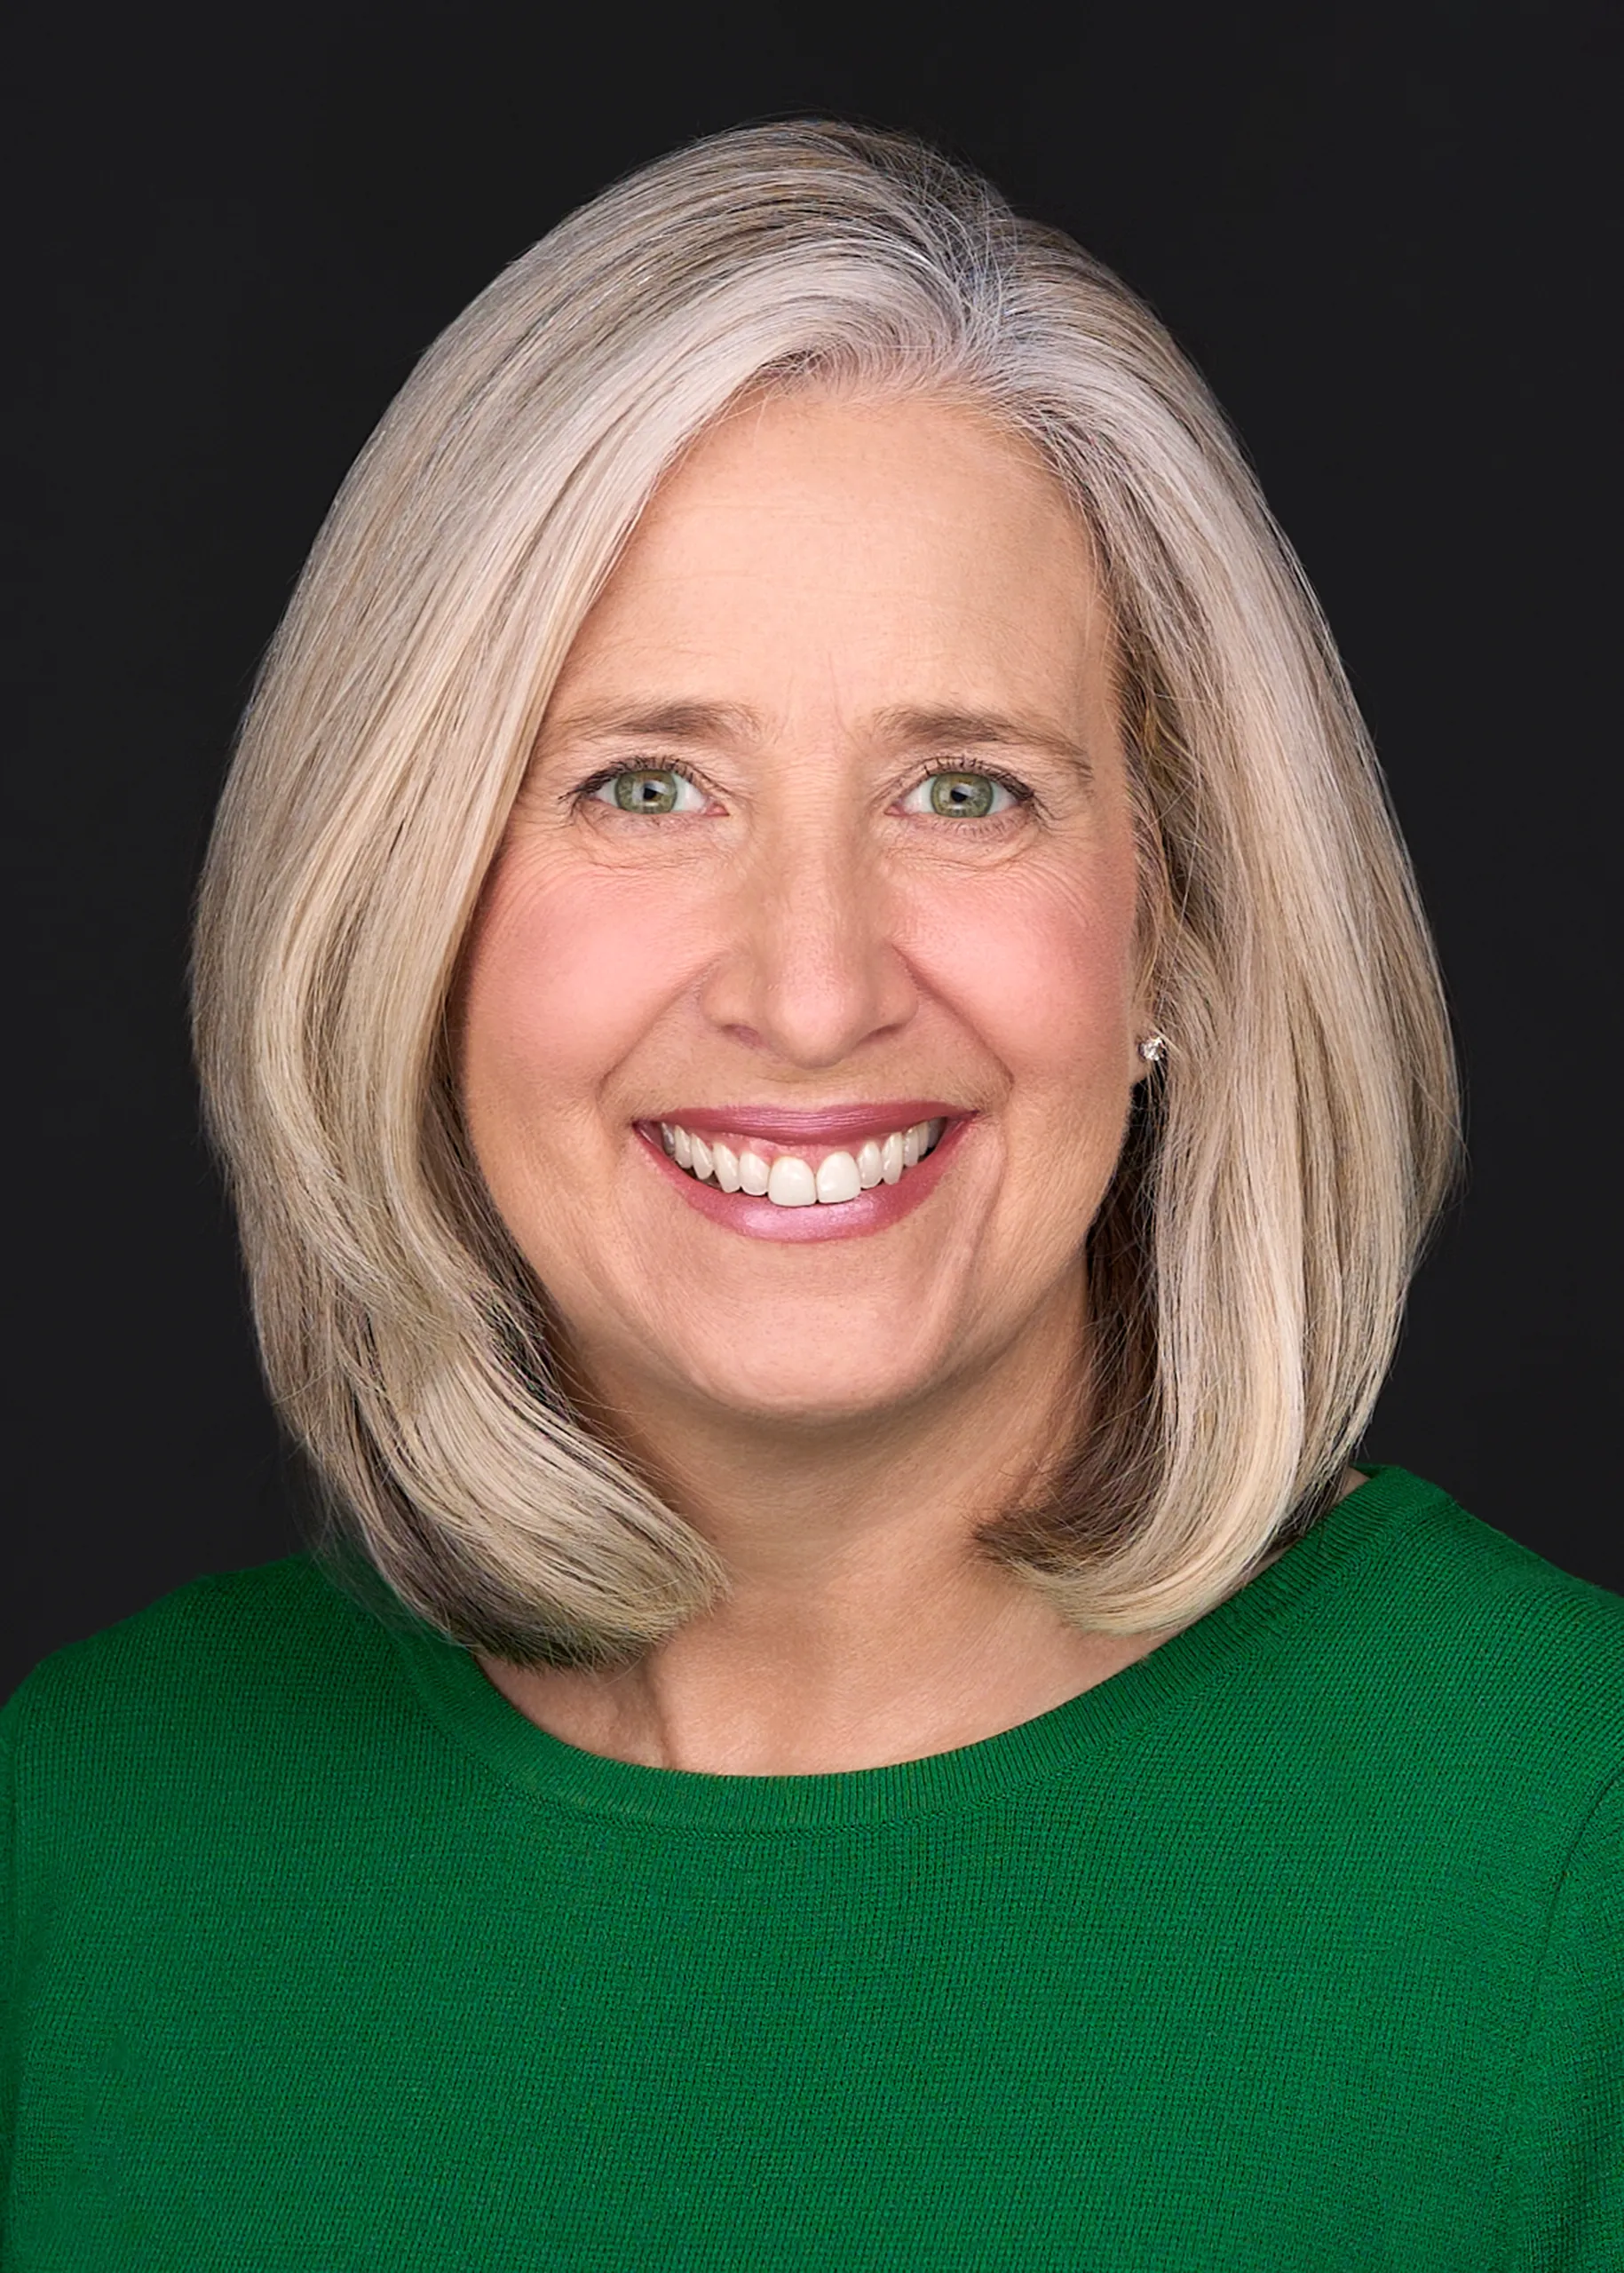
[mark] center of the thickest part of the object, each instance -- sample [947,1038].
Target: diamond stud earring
[1154,1049]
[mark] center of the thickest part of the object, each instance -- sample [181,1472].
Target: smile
[837,1172]
[813,1176]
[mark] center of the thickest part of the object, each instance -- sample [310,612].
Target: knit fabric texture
[1297,1945]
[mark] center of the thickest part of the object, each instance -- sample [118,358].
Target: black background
[1387,236]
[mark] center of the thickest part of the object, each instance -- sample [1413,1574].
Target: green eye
[959,796]
[969,793]
[649,789]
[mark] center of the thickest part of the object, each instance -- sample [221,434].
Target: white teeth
[790,1181]
[837,1178]
[791,1184]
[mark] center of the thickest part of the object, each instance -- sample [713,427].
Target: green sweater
[1298,1944]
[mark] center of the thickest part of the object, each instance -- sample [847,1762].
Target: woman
[833,1079]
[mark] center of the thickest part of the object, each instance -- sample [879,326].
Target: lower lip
[875,1210]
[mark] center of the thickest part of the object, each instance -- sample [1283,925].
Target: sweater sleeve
[1562,2166]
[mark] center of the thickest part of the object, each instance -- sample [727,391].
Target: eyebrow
[905,723]
[677,722]
[981,730]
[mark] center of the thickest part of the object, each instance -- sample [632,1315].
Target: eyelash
[1021,791]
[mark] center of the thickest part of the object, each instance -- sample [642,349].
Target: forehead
[850,542]
[809,447]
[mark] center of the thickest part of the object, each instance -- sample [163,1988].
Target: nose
[811,969]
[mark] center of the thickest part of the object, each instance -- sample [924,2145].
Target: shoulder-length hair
[1248,1267]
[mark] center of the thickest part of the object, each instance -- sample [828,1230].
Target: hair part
[1248,1267]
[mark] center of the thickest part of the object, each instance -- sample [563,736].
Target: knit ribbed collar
[1084,1731]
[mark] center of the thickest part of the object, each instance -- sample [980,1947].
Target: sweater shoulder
[1473,1583]
[1479,1641]
[218,1657]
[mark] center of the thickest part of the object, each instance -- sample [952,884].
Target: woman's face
[827,835]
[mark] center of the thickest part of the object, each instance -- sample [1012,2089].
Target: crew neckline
[469,1708]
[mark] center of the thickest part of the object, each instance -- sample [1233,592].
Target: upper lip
[815,1125]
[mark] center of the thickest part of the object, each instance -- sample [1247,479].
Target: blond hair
[1248,1267]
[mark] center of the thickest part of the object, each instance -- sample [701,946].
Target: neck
[862,1627]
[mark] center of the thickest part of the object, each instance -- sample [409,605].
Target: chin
[811,1395]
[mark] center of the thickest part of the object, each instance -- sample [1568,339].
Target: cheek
[565,975]
[1042,968]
